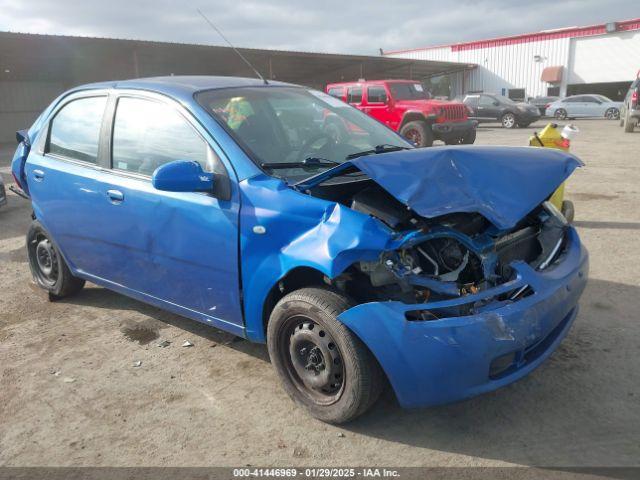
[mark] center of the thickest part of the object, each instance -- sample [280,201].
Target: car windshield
[408,91]
[310,130]
[602,98]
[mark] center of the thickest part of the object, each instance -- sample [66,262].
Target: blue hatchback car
[283,215]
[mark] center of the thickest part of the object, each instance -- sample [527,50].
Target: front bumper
[445,360]
[452,129]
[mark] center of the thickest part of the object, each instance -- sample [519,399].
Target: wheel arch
[296,278]
[412,116]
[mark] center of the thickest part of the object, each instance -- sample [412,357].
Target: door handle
[38,175]
[115,196]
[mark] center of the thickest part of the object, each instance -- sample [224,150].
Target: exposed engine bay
[445,257]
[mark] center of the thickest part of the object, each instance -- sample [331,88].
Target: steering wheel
[305,148]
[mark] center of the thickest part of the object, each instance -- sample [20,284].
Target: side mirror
[182,176]
[496,103]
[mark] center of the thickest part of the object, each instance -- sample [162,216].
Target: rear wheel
[508,120]
[561,114]
[418,132]
[47,266]
[612,114]
[629,123]
[322,365]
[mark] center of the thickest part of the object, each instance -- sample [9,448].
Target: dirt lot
[69,394]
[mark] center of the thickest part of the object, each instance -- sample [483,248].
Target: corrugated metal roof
[569,32]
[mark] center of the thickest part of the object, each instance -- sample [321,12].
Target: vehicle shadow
[99,297]
[579,408]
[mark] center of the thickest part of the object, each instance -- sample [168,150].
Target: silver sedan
[577,106]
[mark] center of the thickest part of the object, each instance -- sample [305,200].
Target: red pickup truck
[404,106]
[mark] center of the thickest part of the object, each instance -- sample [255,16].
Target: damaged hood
[503,184]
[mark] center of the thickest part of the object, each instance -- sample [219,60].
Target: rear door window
[354,95]
[148,134]
[376,94]
[75,130]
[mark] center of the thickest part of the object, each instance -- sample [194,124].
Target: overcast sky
[340,26]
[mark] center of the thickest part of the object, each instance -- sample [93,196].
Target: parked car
[541,103]
[3,192]
[630,108]
[580,106]
[229,201]
[405,107]
[485,107]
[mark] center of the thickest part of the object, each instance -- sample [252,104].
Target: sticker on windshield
[332,101]
[418,87]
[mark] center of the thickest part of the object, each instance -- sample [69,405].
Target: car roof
[368,82]
[182,85]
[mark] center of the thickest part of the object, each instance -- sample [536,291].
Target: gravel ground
[70,395]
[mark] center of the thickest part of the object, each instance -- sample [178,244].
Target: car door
[488,108]
[376,105]
[576,106]
[177,249]
[63,170]
[592,107]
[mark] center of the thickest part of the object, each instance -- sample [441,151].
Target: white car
[577,106]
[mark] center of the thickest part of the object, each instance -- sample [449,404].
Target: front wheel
[508,120]
[48,268]
[612,114]
[418,132]
[323,366]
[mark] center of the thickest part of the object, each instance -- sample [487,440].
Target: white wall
[605,58]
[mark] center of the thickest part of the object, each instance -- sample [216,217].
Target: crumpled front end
[432,359]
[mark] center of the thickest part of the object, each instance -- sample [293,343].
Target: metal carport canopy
[76,60]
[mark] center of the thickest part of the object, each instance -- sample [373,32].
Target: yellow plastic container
[551,137]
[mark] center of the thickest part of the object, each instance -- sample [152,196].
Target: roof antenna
[234,48]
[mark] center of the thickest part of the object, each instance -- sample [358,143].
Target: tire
[629,124]
[469,138]
[48,268]
[612,114]
[508,120]
[568,210]
[303,332]
[418,132]
[560,114]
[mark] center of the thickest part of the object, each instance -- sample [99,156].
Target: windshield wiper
[311,162]
[384,148]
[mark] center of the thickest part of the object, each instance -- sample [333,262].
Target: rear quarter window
[75,130]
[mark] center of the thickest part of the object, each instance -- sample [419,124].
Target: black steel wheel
[323,366]
[47,265]
[313,360]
